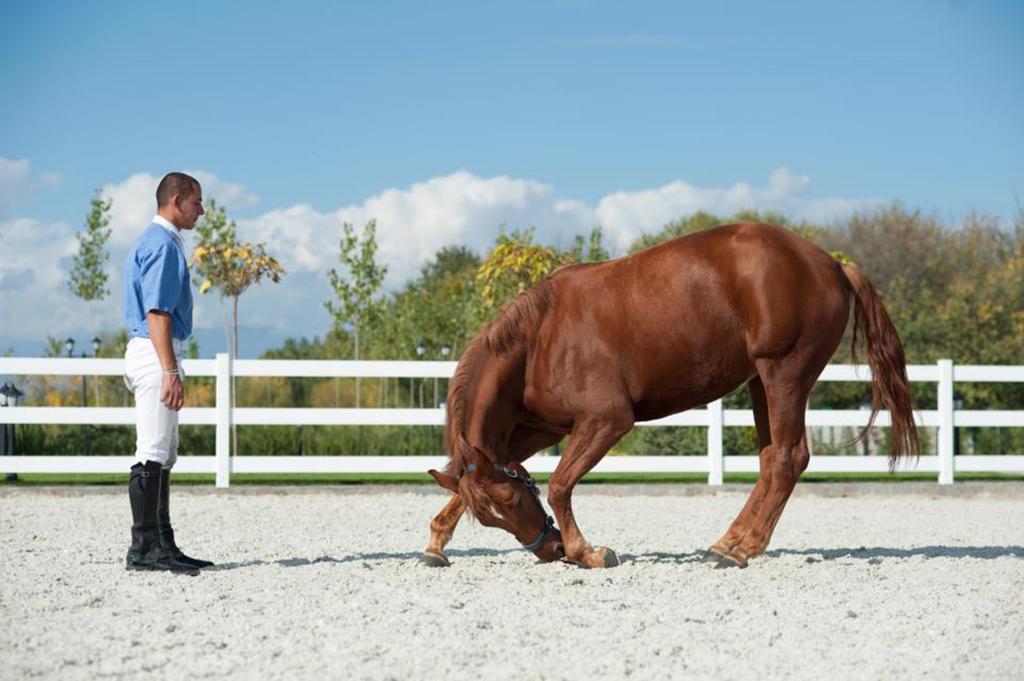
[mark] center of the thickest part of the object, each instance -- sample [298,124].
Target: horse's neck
[496,402]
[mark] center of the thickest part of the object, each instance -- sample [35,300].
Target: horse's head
[507,497]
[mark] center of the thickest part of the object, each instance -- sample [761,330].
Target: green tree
[214,227]
[358,304]
[88,279]
[596,251]
[438,307]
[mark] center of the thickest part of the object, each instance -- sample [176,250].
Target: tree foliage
[595,248]
[358,305]
[88,278]
[357,287]
[515,264]
[229,266]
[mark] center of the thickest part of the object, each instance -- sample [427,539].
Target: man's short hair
[173,184]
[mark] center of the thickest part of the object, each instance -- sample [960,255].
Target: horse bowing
[594,348]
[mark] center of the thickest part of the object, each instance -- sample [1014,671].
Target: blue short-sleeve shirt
[156,277]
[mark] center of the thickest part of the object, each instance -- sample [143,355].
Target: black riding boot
[146,553]
[163,523]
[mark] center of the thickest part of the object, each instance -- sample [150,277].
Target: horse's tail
[890,386]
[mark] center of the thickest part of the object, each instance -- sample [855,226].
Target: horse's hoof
[608,558]
[599,557]
[730,561]
[431,559]
[711,556]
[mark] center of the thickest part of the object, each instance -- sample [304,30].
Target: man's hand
[172,392]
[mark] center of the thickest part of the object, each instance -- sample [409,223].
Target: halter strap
[531,484]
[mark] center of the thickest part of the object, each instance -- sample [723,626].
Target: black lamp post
[69,345]
[87,428]
[96,343]
[85,399]
[421,350]
[445,351]
[958,404]
[9,395]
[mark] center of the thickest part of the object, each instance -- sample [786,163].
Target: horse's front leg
[589,441]
[441,529]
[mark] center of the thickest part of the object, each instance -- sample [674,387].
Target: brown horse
[595,348]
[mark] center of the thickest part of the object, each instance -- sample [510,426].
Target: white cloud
[18,185]
[134,201]
[627,215]
[413,223]
[34,297]
[229,194]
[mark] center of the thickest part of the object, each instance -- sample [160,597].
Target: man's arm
[172,392]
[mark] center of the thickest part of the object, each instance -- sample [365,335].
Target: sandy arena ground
[892,582]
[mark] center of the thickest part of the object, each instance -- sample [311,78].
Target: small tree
[232,268]
[358,305]
[515,264]
[88,279]
[215,230]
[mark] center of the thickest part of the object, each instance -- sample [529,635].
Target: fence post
[716,462]
[946,425]
[223,447]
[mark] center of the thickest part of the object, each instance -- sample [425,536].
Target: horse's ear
[483,464]
[446,481]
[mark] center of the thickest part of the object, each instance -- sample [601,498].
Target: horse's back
[736,275]
[681,323]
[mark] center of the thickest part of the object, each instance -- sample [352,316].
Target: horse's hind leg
[783,461]
[741,524]
[441,529]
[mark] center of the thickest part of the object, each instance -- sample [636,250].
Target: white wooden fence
[943,417]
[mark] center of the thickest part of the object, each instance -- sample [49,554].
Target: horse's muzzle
[553,549]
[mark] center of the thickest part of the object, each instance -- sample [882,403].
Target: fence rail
[714,417]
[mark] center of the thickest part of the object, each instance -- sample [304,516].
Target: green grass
[37,479]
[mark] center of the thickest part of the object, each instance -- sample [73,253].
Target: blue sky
[444,120]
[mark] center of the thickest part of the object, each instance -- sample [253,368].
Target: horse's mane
[517,317]
[516,320]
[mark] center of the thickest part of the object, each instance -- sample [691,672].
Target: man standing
[158,314]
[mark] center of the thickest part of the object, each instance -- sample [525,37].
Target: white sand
[325,583]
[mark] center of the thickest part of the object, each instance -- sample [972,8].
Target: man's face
[190,208]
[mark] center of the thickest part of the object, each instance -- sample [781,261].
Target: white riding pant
[156,426]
